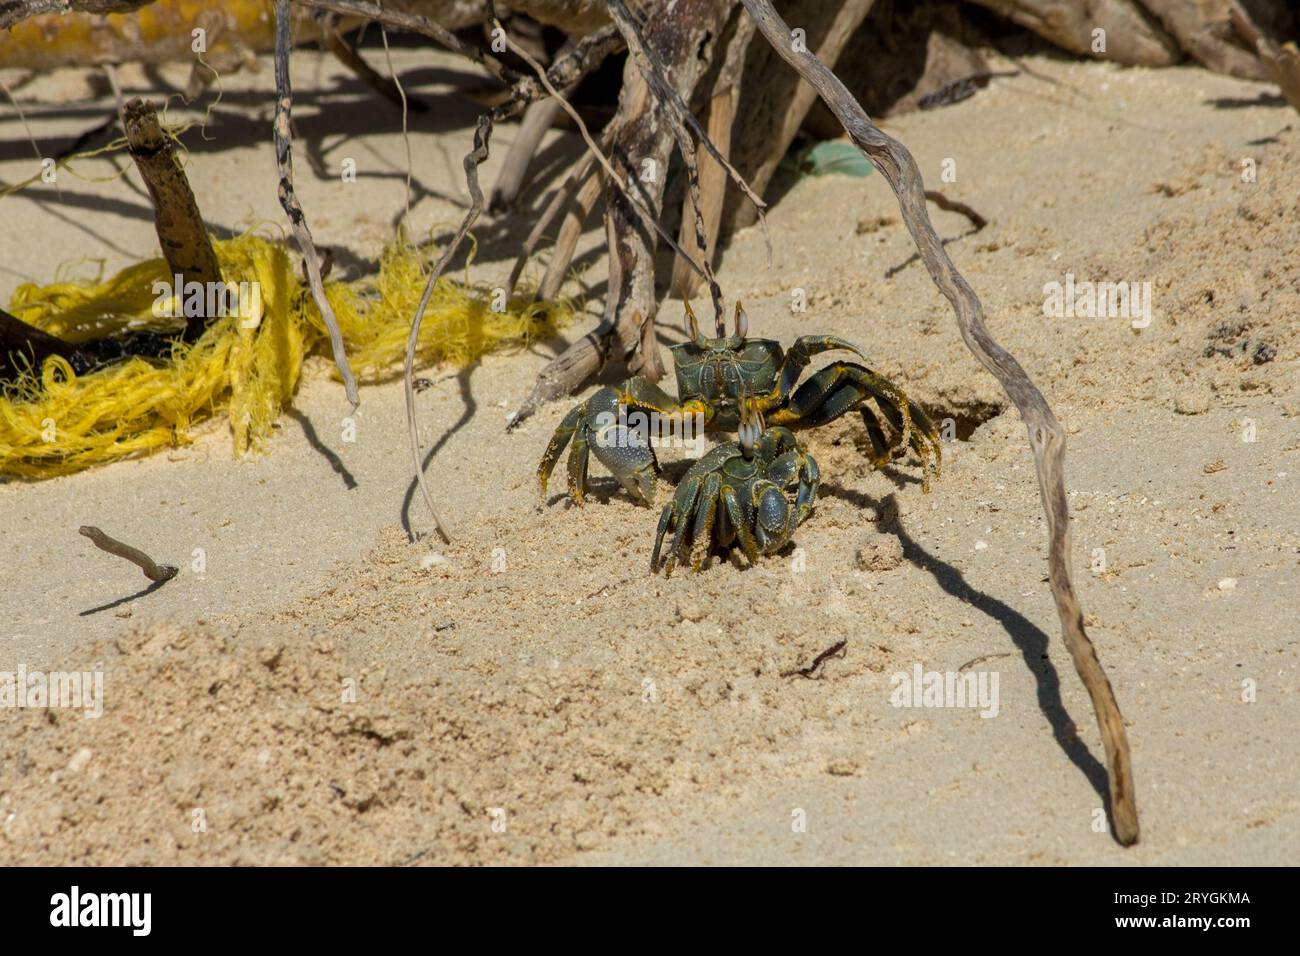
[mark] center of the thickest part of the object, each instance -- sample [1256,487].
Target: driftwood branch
[777,102]
[576,216]
[1046,436]
[722,105]
[1132,35]
[538,118]
[13,11]
[181,233]
[630,218]
[679,116]
[580,175]
[413,23]
[1281,63]
[283,136]
[680,38]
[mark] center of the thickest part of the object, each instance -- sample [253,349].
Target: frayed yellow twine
[54,422]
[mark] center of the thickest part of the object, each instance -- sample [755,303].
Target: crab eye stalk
[690,323]
[742,321]
[751,426]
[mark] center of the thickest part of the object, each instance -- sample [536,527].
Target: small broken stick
[158,573]
[820,659]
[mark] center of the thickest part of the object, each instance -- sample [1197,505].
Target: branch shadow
[1028,637]
[153,586]
[470,410]
[1242,102]
[313,439]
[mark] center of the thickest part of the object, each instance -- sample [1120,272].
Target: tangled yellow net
[247,364]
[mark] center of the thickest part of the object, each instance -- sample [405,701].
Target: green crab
[720,381]
[737,492]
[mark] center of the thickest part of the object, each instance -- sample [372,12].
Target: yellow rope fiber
[54,422]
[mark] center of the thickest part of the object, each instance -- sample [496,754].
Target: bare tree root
[181,233]
[776,102]
[12,11]
[1203,28]
[413,23]
[538,118]
[1281,63]
[582,173]
[677,112]
[720,119]
[1132,36]
[681,38]
[631,277]
[575,218]
[1046,436]
[289,200]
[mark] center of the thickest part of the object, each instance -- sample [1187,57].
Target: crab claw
[773,528]
[742,320]
[626,452]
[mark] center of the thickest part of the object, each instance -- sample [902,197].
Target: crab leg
[676,514]
[796,465]
[740,521]
[578,457]
[841,387]
[705,512]
[559,441]
[797,359]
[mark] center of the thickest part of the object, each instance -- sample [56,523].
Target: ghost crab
[736,492]
[735,383]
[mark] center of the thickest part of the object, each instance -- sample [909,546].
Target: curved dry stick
[154,571]
[1046,436]
[482,133]
[586,54]
[289,201]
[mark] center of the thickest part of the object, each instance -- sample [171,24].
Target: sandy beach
[318,688]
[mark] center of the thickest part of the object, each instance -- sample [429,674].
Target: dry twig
[158,573]
[1046,436]
[833,651]
[289,201]
[567,69]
